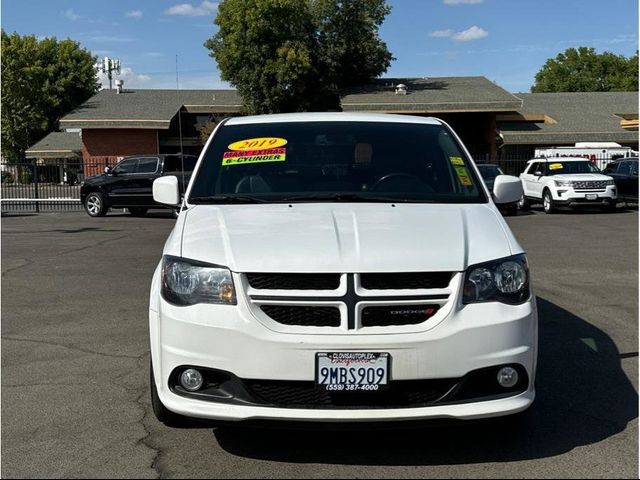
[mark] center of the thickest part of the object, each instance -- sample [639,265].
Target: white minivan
[339,267]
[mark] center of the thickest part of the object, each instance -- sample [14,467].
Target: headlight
[563,183]
[505,280]
[610,182]
[187,282]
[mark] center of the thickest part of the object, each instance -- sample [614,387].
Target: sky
[506,41]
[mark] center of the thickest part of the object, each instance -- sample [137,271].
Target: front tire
[609,207]
[548,203]
[94,205]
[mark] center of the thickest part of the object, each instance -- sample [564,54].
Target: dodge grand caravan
[340,268]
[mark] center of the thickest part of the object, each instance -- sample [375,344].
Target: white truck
[599,153]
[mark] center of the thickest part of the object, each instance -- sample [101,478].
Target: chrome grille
[394,302]
[590,185]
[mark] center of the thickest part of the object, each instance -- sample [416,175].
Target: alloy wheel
[94,204]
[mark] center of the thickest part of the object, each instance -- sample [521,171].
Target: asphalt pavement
[75,397]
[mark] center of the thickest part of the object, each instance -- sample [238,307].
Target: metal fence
[510,166]
[44,186]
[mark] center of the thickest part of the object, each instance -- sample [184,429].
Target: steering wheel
[392,176]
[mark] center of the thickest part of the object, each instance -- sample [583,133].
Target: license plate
[592,197]
[352,371]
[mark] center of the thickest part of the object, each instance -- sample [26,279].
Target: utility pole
[109,66]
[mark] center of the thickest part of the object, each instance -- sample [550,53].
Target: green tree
[41,81]
[584,70]
[295,55]
[351,51]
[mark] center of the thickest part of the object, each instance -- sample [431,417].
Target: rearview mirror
[166,191]
[507,189]
[538,173]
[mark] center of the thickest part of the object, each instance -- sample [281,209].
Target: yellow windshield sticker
[463,176]
[254,156]
[257,144]
[556,166]
[456,161]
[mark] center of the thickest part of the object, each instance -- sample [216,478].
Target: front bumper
[229,338]
[570,197]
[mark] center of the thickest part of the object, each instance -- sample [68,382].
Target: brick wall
[102,147]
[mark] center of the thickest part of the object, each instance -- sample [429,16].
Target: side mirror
[507,189]
[538,173]
[166,191]
[108,170]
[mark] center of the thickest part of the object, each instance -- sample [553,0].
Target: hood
[581,177]
[99,178]
[346,238]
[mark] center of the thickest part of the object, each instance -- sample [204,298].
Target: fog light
[191,380]
[507,377]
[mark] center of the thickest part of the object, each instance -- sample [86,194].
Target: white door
[538,173]
[528,179]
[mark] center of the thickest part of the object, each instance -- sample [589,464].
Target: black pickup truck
[129,184]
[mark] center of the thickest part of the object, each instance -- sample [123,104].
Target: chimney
[401,89]
[119,85]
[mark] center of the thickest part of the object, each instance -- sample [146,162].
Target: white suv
[340,268]
[566,181]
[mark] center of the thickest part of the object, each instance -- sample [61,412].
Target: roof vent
[119,85]
[401,89]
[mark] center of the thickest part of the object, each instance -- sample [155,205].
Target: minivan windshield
[335,161]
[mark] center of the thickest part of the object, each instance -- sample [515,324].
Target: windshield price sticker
[352,371]
[556,166]
[257,144]
[456,160]
[463,176]
[254,156]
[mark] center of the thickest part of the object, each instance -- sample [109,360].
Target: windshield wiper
[350,198]
[221,199]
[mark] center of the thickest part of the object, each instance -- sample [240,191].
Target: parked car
[129,183]
[489,172]
[340,267]
[625,173]
[570,182]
